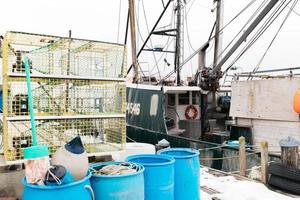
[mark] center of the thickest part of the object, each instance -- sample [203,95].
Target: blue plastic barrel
[118,187]
[78,190]
[159,175]
[187,172]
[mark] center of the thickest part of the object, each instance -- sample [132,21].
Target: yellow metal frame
[94,102]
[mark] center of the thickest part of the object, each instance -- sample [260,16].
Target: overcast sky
[99,19]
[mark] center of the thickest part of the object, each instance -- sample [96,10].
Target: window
[171,99]
[153,105]
[194,98]
[184,99]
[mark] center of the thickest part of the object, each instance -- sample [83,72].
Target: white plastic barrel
[133,149]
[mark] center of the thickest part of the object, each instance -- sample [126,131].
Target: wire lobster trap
[66,97]
[78,88]
[60,56]
[98,135]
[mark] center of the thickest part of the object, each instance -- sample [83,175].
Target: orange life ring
[191,112]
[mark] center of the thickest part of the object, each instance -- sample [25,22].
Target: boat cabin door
[182,113]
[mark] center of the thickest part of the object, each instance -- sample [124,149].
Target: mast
[218,34]
[218,39]
[246,33]
[179,40]
[133,40]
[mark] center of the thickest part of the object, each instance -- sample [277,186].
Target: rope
[57,180]
[255,167]
[226,145]
[117,169]
[226,158]
[132,140]
[218,147]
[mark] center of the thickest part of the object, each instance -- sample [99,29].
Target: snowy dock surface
[216,185]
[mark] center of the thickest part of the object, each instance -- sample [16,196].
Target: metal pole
[133,40]
[254,24]
[218,34]
[271,70]
[179,38]
[153,29]
[218,40]
[68,71]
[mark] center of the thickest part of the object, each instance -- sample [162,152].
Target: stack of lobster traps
[78,88]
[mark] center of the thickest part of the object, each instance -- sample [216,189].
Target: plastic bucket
[187,172]
[159,175]
[78,190]
[118,187]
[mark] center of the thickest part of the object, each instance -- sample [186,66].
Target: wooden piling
[264,161]
[242,156]
[290,156]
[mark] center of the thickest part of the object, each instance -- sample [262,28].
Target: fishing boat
[198,112]
[201,107]
[169,107]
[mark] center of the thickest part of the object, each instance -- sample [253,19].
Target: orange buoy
[297,102]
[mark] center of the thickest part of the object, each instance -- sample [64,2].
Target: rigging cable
[260,32]
[138,25]
[119,21]
[242,29]
[167,44]
[211,38]
[163,3]
[271,43]
[187,29]
[188,37]
[256,37]
[288,14]
[138,28]
[153,53]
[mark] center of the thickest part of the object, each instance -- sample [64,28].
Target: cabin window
[194,98]
[184,99]
[171,99]
[153,105]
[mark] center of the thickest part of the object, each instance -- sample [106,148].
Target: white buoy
[73,157]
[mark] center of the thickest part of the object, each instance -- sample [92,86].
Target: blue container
[118,187]
[159,175]
[78,190]
[187,172]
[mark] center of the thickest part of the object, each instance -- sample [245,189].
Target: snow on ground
[233,189]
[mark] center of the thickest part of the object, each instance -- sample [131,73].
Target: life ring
[191,112]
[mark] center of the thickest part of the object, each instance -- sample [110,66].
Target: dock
[219,185]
